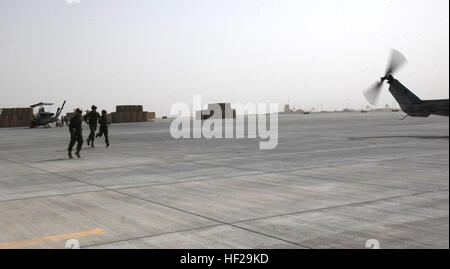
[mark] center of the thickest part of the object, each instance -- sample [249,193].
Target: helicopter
[409,103]
[44,118]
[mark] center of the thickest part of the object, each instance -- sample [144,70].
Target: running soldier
[76,133]
[91,118]
[103,121]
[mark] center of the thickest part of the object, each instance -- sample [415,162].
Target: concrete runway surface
[335,180]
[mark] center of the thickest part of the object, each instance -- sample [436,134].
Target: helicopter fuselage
[413,105]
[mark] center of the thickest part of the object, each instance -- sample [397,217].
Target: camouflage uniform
[103,130]
[76,133]
[91,118]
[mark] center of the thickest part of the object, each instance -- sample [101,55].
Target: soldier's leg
[80,142]
[105,133]
[72,143]
[100,132]
[93,128]
[79,145]
[92,134]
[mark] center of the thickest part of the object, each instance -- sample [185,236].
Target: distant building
[288,110]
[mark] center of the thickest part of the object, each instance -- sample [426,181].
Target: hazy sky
[157,53]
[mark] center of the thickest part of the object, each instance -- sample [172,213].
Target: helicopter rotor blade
[397,60]
[373,92]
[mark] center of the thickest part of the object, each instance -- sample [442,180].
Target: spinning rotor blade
[397,60]
[373,92]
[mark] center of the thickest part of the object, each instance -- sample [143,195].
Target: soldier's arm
[72,127]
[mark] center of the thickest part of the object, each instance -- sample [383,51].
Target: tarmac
[336,180]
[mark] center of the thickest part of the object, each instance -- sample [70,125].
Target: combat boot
[78,154]
[70,155]
[88,141]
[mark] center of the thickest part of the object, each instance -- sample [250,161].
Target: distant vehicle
[409,103]
[42,117]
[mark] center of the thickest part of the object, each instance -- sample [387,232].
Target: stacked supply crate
[16,117]
[226,112]
[131,113]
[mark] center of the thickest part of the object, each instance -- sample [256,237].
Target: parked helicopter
[409,103]
[42,117]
